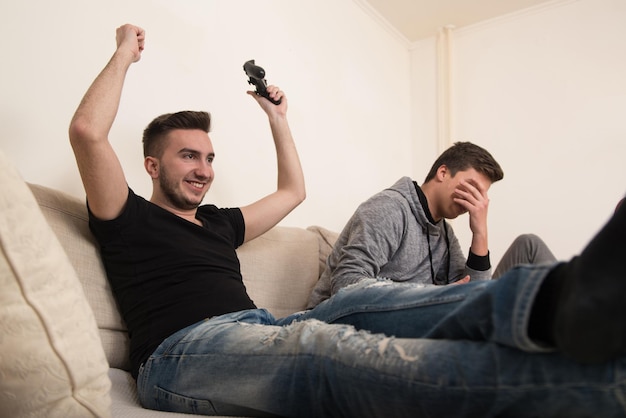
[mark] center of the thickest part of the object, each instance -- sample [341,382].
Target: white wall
[544,90]
[345,76]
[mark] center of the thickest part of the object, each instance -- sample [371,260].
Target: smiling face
[184,172]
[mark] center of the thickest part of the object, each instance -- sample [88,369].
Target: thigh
[310,368]
[242,364]
[490,310]
[400,309]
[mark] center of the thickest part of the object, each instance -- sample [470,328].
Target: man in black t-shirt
[178,157]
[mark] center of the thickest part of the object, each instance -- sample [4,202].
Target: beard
[172,192]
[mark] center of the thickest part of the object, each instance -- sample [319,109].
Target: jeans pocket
[164,400]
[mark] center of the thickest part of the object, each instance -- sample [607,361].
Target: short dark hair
[156,131]
[465,155]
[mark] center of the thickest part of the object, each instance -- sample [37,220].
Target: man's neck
[424,194]
[188,215]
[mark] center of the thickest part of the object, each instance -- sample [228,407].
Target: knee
[528,241]
[535,248]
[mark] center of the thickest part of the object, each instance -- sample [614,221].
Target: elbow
[302,191]
[297,195]
[296,200]
[77,130]
[289,198]
[80,131]
[301,196]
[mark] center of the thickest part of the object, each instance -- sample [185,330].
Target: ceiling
[418,19]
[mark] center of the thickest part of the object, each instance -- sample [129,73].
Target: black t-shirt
[168,273]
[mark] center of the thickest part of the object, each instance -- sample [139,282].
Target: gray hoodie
[390,236]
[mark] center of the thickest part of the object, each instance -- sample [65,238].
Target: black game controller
[257,78]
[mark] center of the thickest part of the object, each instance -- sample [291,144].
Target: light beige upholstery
[67,216]
[51,359]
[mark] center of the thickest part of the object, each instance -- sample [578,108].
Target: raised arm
[100,169]
[263,214]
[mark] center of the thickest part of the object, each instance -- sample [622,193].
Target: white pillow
[52,363]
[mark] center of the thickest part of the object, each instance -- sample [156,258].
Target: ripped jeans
[377,349]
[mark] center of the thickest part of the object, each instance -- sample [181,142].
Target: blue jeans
[459,350]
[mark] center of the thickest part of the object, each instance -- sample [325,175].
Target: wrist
[124,56]
[479,245]
[277,119]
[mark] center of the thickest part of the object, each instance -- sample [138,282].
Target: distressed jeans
[383,350]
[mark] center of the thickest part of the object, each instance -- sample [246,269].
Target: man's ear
[442,172]
[151,165]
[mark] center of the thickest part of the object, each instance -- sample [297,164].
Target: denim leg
[240,364]
[496,310]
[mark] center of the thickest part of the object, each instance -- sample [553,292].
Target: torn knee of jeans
[282,333]
[364,342]
[318,336]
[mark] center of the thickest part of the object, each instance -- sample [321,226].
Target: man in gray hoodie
[401,233]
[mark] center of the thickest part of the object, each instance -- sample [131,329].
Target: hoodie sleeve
[368,242]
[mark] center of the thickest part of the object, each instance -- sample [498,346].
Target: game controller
[256,76]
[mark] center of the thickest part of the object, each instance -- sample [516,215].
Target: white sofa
[63,344]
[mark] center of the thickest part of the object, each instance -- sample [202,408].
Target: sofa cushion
[280,268]
[67,216]
[326,239]
[51,358]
